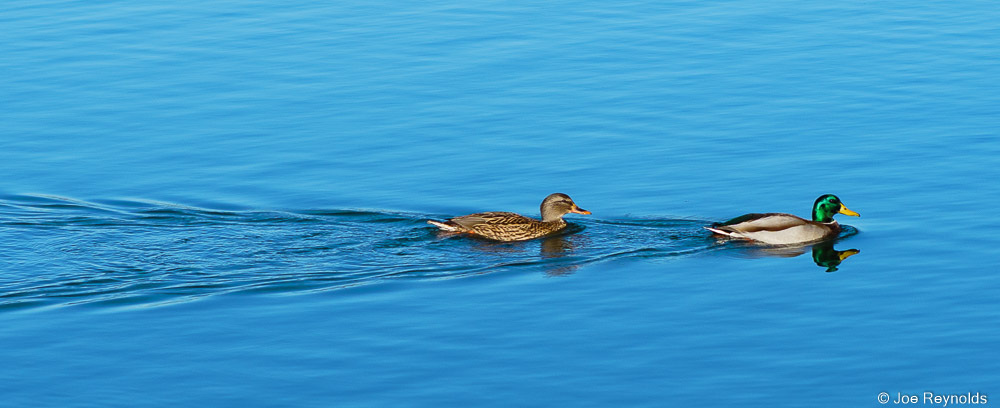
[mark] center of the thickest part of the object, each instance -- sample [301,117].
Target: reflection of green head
[827,205]
[824,255]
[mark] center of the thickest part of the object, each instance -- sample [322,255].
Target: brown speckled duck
[507,226]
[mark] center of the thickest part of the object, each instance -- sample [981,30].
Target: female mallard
[785,229]
[507,226]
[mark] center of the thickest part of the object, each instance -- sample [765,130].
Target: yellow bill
[844,210]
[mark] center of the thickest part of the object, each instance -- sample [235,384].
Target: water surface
[225,204]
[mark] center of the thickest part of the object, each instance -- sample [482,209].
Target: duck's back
[506,226]
[762,222]
[491,218]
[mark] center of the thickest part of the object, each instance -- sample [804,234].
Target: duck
[787,229]
[508,226]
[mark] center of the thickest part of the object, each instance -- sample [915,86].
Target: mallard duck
[507,226]
[786,229]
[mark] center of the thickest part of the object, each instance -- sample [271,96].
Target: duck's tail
[444,226]
[719,231]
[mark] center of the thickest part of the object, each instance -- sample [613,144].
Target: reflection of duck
[559,246]
[552,251]
[507,226]
[787,229]
[555,246]
[823,253]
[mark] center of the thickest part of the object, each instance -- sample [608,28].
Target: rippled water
[224,204]
[120,253]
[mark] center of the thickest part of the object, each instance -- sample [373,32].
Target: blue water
[224,203]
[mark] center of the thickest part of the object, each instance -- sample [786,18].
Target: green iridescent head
[827,206]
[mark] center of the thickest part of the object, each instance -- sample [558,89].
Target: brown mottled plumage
[507,226]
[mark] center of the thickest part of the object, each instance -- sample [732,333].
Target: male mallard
[785,229]
[507,226]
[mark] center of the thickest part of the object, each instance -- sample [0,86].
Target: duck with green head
[787,229]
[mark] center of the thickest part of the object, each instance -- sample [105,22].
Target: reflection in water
[552,251]
[559,246]
[555,247]
[823,253]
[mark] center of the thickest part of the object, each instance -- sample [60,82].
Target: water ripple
[64,251]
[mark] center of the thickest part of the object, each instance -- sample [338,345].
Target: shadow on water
[61,251]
